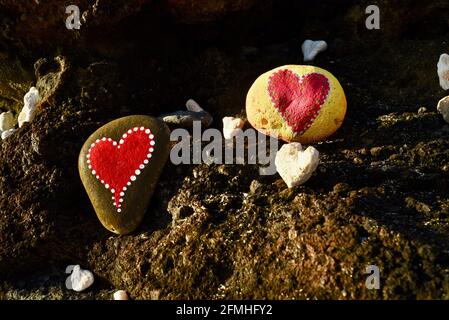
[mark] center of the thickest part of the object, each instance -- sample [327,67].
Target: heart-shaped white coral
[311,48]
[296,165]
[443,71]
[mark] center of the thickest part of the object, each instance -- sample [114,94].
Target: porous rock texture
[379,197]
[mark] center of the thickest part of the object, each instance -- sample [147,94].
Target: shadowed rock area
[379,196]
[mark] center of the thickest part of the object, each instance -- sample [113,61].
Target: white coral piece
[29,109]
[231,126]
[80,279]
[311,48]
[7,133]
[6,121]
[296,165]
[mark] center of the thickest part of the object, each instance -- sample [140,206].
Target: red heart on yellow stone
[298,99]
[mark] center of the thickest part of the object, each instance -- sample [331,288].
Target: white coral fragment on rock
[311,48]
[443,71]
[29,109]
[79,279]
[295,165]
[231,126]
[443,108]
[7,133]
[7,121]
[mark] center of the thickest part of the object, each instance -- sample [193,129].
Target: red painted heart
[298,99]
[117,164]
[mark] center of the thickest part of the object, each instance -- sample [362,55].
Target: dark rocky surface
[380,195]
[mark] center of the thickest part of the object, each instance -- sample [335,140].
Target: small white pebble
[29,109]
[120,295]
[311,48]
[79,279]
[231,126]
[296,165]
[192,105]
[7,133]
[443,108]
[443,71]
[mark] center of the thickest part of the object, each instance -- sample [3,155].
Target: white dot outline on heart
[138,171]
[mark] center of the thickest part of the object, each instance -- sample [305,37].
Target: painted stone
[120,165]
[295,103]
